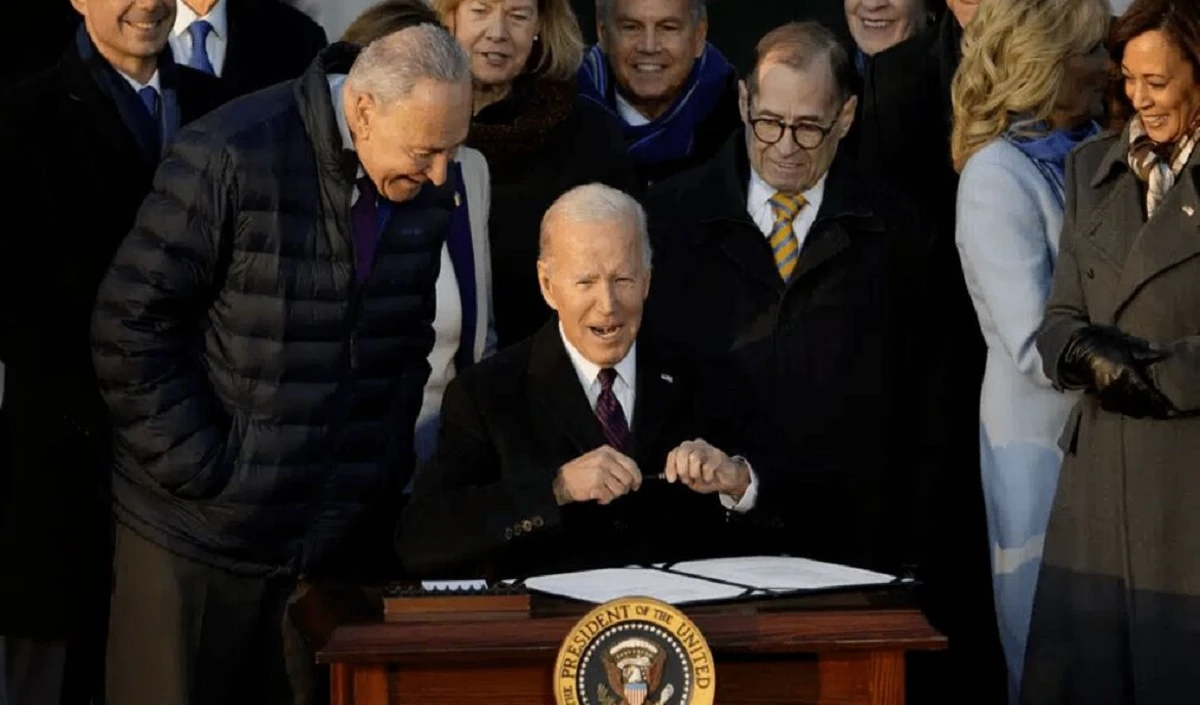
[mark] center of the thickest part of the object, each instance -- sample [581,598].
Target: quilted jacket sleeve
[148,322]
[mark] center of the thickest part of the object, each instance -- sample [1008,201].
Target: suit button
[1091,273]
[516,530]
[527,526]
[538,523]
[508,534]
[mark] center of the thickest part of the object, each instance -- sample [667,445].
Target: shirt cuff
[749,498]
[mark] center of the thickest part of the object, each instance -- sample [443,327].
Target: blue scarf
[669,136]
[151,139]
[1049,151]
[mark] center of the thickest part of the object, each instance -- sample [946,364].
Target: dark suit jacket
[269,42]
[508,424]
[77,180]
[827,358]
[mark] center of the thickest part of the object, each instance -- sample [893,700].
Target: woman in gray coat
[1116,620]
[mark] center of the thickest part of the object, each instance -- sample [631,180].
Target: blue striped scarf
[669,136]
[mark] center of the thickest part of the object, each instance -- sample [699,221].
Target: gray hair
[799,45]
[390,67]
[697,8]
[596,203]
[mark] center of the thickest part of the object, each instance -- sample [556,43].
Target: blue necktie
[149,98]
[199,60]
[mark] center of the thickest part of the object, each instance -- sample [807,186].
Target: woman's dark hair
[1178,19]
[387,17]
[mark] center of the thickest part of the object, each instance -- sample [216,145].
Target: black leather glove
[1112,364]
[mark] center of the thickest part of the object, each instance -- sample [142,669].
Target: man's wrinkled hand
[706,469]
[601,476]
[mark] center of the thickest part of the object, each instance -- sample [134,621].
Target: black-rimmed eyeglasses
[806,135]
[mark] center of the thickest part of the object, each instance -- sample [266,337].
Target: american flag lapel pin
[1189,210]
[457,200]
[667,378]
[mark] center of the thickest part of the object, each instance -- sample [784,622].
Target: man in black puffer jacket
[261,342]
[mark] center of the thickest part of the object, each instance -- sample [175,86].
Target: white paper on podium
[599,586]
[781,573]
[454,585]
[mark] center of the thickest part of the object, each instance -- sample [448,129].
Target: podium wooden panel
[844,649]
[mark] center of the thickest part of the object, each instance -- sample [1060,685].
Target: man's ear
[701,37]
[80,6]
[846,119]
[744,101]
[364,113]
[543,270]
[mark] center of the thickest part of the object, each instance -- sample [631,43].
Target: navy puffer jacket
[263,400]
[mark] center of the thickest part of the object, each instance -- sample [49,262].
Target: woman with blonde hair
[539,137]
[1029,88]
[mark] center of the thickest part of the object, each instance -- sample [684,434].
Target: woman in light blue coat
[1027,91]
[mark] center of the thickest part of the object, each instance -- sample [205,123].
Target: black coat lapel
[99,108]
[655,404]
[722,214]
[843,207]
[240,36]
[555,393]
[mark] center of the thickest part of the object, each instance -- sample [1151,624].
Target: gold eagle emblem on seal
[634,651]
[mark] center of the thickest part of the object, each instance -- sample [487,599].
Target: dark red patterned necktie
[364,216]
[610,413]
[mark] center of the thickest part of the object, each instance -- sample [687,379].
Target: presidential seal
[634,651]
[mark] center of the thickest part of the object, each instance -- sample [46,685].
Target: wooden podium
[832,649]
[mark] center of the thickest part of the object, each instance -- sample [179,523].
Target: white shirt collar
[217,17]
[154,82]
[630,114]
[337,82]
[589,372]
[760,192]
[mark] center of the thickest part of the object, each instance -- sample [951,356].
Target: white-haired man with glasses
[783,261]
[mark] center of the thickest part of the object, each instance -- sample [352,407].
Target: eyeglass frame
[794,129]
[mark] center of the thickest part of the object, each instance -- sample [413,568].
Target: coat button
[508,534]
[538,523]
[516,530]
[527,526]
[1091,273]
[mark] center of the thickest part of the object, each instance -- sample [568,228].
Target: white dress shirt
[630,114]
[758,203]
[624,389]
[153,82]
[589,376]
[216,43]
[336,82]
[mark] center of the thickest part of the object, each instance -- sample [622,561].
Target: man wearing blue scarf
[674,94]
[80,141]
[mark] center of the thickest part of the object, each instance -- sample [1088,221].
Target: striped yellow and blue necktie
[784,244]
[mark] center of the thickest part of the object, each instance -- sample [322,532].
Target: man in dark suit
[550,452]
[81,140]
[796,271]
[248,44]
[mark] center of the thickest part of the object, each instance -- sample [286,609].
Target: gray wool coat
[1116,619]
